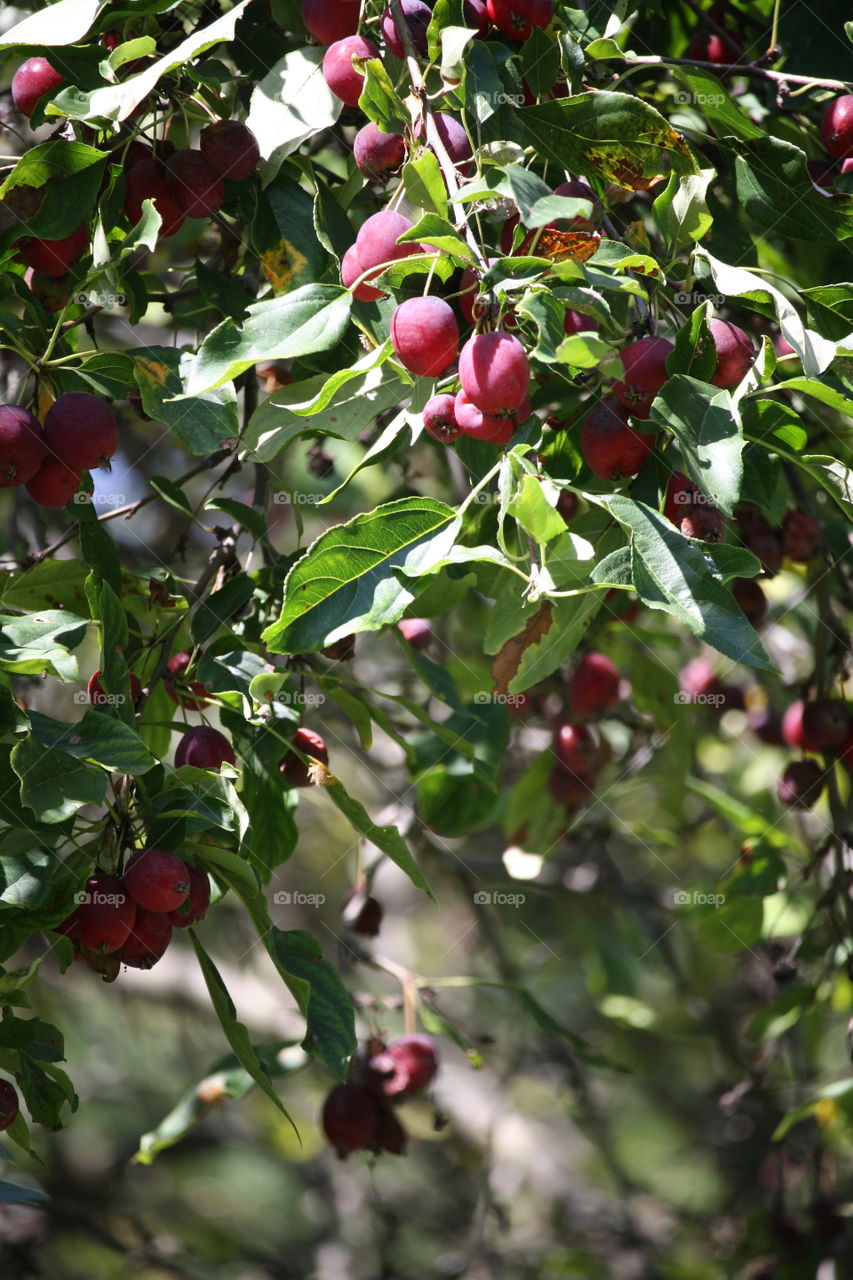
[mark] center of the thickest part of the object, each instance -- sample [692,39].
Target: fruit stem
[774,30]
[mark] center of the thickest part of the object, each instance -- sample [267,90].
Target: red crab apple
[613,449]
[50,291]
[704,521]
[750,597]
[494,428]
[157,880]
[440,418]
[821,725]
[712,48]
[407,1066]
[681,495]
[568,789]
[330,20]
[476,15]
[802,537]
[418,632]
[54,257]
[148,940]
[186,694]
[33,79]
[351,269]
[194,908]
[697,679]
[148,180]
[339,71]
[204,748]
[378,154]
[80,430]
[425,335]
[801,784]
[362,913]
[836,126]
[452,134]
[517,18]
[195,184]
[576,748]
[417,16]
[298,772]
[99,698]
[494,371]
[9,1105]
[389,1134]
[54,484]
[593,685]
[21,446]
[765,724]
[350,1117]
[644,364]
[106,915]
[230,148]
[576,322]
[376,245]
[568,504]
[735,353]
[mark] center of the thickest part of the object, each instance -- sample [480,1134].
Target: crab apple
[697,679]
[389,1134]
[418,17]
[106,915]
[593,685]
[194,908]
[54,257]
[836,126]
[196,185]
[297,772]
[750,598]
[760,537]
[792,725]
[362,913]
[350,1117]
[230,148]
[425,335]
[50,291]
[576,748]
[681,495]
[9,1105]
[576,322]
[339,71]
[439,418]
[376,242]
[329,20]
[517,18]
[80,430]
[476,15]
[801,784]
[765,724]
[472,421]
[54,484]
[567,504]
[95,690]
[190,695]
[21,446]
[204,748]
[705,522]
[148,180]
[418,632]
[611,448]
[378,154]
[407,1066]
[568,788]
[845,753]
[148,940]
[351,269]
[644,363]
[802,538]
[712,48]
[494,371]
[826,723]
[33,79]
[735,353]
[157,880]
[454,138]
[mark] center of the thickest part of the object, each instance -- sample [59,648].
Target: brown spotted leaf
[508,661]
[549,637]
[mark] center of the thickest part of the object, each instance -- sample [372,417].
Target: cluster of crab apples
[79,433]
[359,1115]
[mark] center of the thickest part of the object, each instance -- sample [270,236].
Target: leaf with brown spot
[567,246]
[283,266]
[508,661]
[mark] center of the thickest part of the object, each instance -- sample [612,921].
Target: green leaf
[53,784]
[775,189]
[379,99]
[109,374]
[704,420]
[387,838]
[681,211]
[10,1193]
[424,184]
[171,493]
[291,103]
[25,871]
[201,424]
[40,643]
[348,580]
[102,738]
[63,23]
[695,353]
[713,101]
[735,926]
[220,607]
[536,515]
[310,319]
[248,517]
[321,995]
[440,233]
[74,168]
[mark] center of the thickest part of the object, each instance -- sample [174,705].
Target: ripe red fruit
[204,748]
[613,449]
[681,495]
[568,788]
[362,913]
[494,428]
[378,154]
[148,180]
[567,505]
[750,597]
[476,15]
[494,371]
[106,916]
[440,418]
[765,724]
[418,632]
[53,257]
[189,694]
[456,142]
[826,722]
[80,430]
[575,322]
[95,690]
[389,1134]
[697,679]
[149,938]
[376,242]
[157,880]
[197,902]
[328,22]
[21,446]
[792,725]
[712,48]
[50,291]
[339,72]
[407,1066]
[576,748]
[735,353]
[33,79]
[297,772]
[760,537]
[594,685]
[418,17]
[705,522]
[350,1117]
[802,538]
[644,363]
[196,186]
[836,126]
[425,335]
[9,1105]
[517,18]
[351,269]
[54,484]
[230,148]
[801,784]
